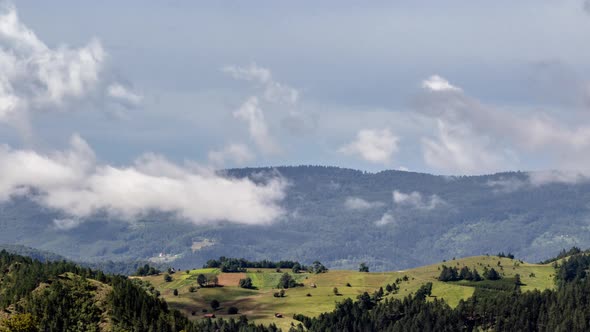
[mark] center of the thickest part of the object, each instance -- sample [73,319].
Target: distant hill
[120,267]
[40,255]
[341,217]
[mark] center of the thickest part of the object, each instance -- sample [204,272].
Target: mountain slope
[434,218]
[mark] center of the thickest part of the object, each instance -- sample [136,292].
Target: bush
[232,310]
[167,278]
[246,283]
[192,289]
[175,292]
[287,281]
[214,305]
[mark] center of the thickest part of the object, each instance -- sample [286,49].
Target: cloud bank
[73,182]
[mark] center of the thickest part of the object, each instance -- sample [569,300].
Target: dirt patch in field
[231,279]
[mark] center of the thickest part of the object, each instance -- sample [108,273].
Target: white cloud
[72,182]
[357,203]
[507,185]
[386,219]
[457,148]
[372,145]
[475,138]
[538,178]
[36,77]
[251,113]
[66,223]
[124,95]
[437,83]
[416,200]
[236,153]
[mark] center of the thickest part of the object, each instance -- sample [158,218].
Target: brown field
[230,279]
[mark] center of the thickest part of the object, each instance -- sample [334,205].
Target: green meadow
[317,293]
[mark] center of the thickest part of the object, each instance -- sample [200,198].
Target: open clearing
[260,305]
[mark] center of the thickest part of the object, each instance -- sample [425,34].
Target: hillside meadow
[317,293]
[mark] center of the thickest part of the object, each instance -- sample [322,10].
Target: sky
[146,93]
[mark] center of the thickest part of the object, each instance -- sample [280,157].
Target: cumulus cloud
[357,203]
[416,200]
[36,77]
[235,152]
[73,182]
[251,113]
[473,137]
[386,219]
[373,145]
[437,83]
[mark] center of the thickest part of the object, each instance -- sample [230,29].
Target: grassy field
[260,305]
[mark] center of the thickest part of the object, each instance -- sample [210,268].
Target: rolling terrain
[260,305]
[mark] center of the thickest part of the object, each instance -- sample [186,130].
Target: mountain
[341,217]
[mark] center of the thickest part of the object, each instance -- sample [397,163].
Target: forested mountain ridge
[390,220]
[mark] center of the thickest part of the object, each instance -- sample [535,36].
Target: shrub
[232,310]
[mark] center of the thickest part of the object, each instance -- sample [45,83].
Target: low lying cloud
[66,223]
[73,182]
[373,145]
[416,200]
[507,185]
[357,203]
[538,178]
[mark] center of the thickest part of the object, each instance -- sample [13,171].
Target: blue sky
[128,107]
